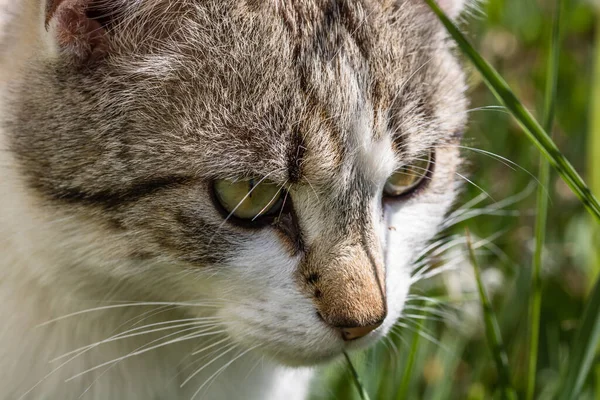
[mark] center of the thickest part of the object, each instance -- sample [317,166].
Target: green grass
[535,300]
[531,127]
[539,334]
[594,141]
[584,349]
[588,335]
[359,387]
[492,330]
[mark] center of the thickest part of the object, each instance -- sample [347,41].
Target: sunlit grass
[531,127]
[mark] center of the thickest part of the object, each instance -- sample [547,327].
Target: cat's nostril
[320,316]
[358,332]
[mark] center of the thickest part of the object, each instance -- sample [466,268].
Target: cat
[205,199]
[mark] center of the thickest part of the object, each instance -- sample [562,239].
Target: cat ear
[81,37]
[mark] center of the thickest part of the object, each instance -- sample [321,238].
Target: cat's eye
[248,199]
[409,176]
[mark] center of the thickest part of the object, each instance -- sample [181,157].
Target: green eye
[249,199]
[408,177]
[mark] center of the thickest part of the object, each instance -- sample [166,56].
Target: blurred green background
[439,351]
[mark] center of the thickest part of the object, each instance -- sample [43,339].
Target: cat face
[281,161]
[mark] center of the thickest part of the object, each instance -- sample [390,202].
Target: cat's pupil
[250,187]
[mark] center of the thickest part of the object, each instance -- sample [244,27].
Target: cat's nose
[357,332]
[348,289]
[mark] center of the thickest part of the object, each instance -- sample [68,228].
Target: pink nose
[357,332]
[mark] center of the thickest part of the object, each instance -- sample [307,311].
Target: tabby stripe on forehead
[309,25]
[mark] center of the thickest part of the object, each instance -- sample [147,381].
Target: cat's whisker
[259,360]
[143,317]
[452,263]
[428,310]
[424,317]
[420,271]
[195,333]
[275,197]
[136,353]
[467,211]
[191,364]
[202,350]
[474,184]
[440,248]
[469,205]
[230,347]
[416,330]
[139,348]
[52,372]
[425,299]
[390,345]
[394,333]
[432,248]
[479,212]
[220,370]
[430,273]
[128,334]
[507,162]
[425,271]
[283,204]
[116,306]
[211,379]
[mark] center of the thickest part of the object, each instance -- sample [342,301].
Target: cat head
[280,162]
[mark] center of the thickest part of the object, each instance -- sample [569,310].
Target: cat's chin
[295,357]
[295,361]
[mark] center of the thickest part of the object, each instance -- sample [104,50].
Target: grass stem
[587,339]
[535,301]
[412,357]
[593,155]
[359,386]
[492,330]
[583,349]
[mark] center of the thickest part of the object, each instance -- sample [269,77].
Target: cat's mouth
[310,357]
[314,344]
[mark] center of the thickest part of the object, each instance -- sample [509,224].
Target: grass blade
[542,206]
[531,127]
[594,142]
[412,357]
[583,350]
[359,386]
[492,330]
